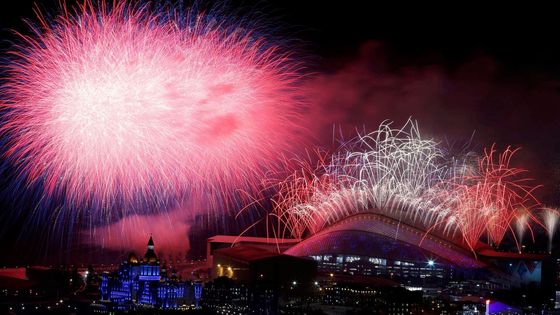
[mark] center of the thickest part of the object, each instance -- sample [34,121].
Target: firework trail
[307,202]
[550,219]
[521,224]
[397,168]
[487,200]
[397,173]
[123,105]
[389,170]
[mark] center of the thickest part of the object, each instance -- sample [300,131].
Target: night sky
[468,73]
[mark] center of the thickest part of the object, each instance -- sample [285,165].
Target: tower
[149,268]
[150,255]
[149,277]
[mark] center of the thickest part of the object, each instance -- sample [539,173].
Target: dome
[373,233]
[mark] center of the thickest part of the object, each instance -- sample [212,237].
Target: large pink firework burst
[117,102]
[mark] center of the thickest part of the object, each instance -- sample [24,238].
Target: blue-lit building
[146,283]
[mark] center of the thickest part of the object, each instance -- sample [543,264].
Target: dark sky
[494,71]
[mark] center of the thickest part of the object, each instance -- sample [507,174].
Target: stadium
[396,206]
[370,244]
[374,246]
[377,246]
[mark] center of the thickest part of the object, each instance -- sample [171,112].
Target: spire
[150,255]
[151,243]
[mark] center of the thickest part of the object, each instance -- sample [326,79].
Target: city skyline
[375,150]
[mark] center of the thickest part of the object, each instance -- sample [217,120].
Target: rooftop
[249,239]
[246,253]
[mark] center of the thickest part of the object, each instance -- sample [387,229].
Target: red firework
[122,103]
[489,200]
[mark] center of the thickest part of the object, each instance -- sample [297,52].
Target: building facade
[146,283]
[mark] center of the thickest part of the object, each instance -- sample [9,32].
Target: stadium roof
[411,239]
[397,240]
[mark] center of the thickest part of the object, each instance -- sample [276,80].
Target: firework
[121,104]
[550,219]
[521,224]
[307,202]
[397,173]
[488,199]
[397,168]
[391,171]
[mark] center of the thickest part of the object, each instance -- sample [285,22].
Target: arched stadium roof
[373,234]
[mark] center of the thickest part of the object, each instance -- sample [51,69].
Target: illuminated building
[145,282]
[376,245]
